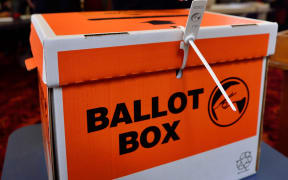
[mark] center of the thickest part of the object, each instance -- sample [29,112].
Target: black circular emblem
[219,110]
[195,17]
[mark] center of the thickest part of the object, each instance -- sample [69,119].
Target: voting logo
[219,110]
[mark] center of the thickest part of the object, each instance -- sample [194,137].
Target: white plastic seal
[192,27]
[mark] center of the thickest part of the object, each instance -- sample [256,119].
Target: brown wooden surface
[278,64]
[282,144]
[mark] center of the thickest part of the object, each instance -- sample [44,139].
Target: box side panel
[46,128]
[121,126]
[59,132]
[40,34]
[262,107]
[37,50]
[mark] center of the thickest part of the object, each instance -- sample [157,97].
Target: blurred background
[19,103]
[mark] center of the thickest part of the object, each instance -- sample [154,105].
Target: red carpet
[19,105]
[272,106]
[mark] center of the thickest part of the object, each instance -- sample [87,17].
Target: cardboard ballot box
[112,106]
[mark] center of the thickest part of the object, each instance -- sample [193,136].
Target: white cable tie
[185,48]
[188,38]
[211,72]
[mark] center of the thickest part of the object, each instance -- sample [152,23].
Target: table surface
[25,158]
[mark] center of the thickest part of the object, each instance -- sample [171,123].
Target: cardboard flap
[105,45]
[30,64]
[105,63]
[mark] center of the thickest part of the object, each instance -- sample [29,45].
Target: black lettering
[170,132]
[171,102]
[137,112]
[155,108]
[195,95]
[120,108]
[92,119]
[143,138]
[123,142]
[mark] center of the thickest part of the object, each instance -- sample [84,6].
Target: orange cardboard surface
[112,106]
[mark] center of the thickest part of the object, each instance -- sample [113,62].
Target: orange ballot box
[112,106]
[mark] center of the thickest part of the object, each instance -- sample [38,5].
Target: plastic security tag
[194,19]
[192,27]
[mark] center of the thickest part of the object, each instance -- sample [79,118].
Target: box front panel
[121,126]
